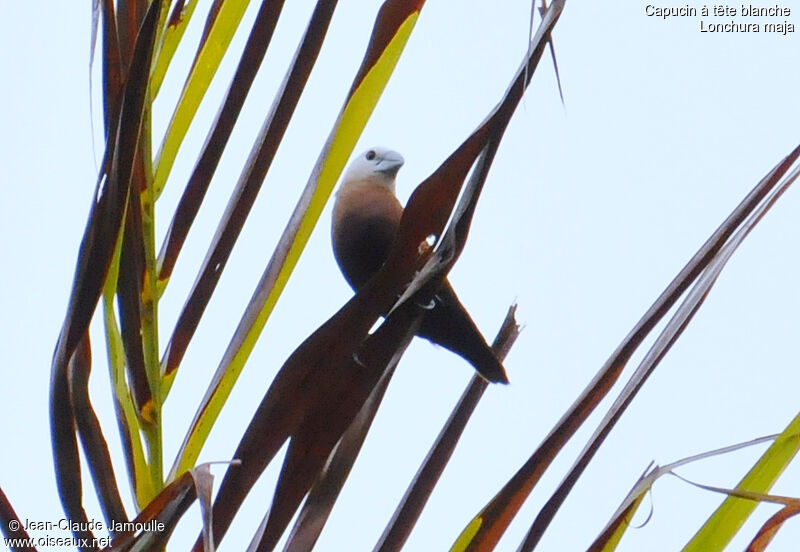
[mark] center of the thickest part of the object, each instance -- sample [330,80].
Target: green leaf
[203,70]
[176,26]
[725,522]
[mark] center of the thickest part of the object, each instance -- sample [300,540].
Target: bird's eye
[370,155]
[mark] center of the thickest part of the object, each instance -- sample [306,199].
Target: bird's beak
[390,163]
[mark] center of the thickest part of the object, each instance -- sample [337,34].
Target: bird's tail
[448,324]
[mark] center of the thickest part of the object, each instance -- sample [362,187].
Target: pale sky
[588,213]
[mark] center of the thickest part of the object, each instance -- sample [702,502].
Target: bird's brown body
[366,216]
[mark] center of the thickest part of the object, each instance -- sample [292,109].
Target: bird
[366,217]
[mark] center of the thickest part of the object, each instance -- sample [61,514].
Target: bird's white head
[375,166]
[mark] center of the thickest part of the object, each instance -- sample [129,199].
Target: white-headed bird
[366,216]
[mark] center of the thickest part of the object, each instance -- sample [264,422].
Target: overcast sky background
[588,213]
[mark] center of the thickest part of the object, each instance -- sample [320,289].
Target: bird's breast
[361,245]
